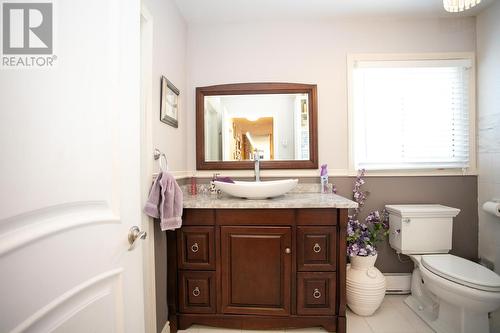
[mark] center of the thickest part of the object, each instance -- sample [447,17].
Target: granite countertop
[289,200]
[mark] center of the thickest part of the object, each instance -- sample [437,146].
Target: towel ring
[160,157]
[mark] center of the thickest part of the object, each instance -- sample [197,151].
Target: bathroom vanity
[259,264]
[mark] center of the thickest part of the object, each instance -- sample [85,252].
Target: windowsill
[307,173]
[417,173]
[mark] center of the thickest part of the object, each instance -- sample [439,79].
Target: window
[411,114]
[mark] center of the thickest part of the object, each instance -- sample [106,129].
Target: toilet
[451,294]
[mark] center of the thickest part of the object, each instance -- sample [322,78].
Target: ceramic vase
[365,285]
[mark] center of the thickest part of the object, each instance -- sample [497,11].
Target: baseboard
[398,283]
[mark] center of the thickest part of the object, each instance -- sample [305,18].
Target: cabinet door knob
[195,247]
[316,293]
[317,248]
[196,292]
[288,250]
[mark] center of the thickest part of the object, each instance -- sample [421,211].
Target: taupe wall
[454,191]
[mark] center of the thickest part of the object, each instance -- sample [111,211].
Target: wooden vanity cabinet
[258,269]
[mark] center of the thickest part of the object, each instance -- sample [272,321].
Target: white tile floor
[393,316]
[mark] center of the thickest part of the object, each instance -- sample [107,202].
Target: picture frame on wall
[169,109]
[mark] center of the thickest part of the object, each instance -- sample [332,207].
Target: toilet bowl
[451,294]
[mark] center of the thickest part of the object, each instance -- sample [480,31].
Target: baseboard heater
[398,283]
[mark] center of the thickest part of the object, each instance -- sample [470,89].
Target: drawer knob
[316,293]
[195,247]
[317,248]
[196,292]
[288,250]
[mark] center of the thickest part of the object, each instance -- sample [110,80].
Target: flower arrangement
[363,236]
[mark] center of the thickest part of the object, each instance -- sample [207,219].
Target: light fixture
[455,6]
[252,118]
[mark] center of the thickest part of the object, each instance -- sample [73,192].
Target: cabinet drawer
[197,292]
[198,217]
[316,248]
[196,248]
[317,216]
[273,217]
[316,293]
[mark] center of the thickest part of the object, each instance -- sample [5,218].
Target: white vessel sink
[257,190]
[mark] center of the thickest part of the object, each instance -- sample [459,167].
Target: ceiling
[224,11]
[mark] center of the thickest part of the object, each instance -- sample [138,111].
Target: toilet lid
[462,271]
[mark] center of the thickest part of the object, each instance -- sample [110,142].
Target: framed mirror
[278,120]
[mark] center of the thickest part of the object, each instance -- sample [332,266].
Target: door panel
[256,270]
[70,186]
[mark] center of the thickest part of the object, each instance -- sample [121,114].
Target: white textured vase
[365,285]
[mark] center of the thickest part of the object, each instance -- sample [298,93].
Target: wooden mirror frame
[248,89]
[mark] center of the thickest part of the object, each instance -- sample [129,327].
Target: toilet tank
[420,229]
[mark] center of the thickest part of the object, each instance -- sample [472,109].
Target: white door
[70,178]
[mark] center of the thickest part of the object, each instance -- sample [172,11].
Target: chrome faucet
[256,157]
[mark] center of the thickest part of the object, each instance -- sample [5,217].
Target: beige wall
[315,52]
[488,96]
[310,52]
[169,59]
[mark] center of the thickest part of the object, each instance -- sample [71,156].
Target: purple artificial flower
[362,236]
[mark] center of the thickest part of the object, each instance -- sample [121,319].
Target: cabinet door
[256,270]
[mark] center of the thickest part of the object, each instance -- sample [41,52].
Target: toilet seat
[462,271]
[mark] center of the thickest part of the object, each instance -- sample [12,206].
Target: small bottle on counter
[193,185]
[324,178]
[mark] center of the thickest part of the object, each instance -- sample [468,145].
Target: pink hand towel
[151,208]
[165,202]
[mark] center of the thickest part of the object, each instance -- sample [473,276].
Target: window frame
[353,58]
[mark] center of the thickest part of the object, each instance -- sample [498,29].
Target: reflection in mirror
[275,124]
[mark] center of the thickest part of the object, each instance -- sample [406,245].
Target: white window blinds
[411,114]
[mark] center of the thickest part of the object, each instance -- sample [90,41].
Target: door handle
[134,235]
